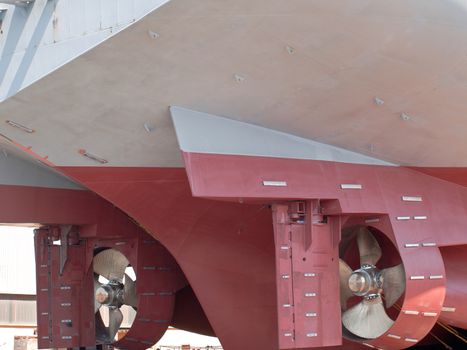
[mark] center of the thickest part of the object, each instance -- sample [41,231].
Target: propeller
[115,320]
[368,319]
[368,247]
[129,292]
[393,284]
[344,271]
[116,290]
[110,264]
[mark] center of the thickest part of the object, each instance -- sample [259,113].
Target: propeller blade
[101,329]
[393,284]
[115,320]
[368,247]
[130,296]
[367,319]
[344,273]
[97,305]
[111,264]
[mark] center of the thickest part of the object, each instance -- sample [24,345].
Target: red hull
[225,247]
[216,219]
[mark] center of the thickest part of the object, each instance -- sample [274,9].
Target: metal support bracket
[65,317]
[307,276]
[64,233]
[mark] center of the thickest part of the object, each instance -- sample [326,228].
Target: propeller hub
[365,281]
[359,282]
[110,294]
[102,295]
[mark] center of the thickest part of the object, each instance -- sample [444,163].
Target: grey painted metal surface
[21,170]
[380,78]
[18,2]
[39,36]
[205,133]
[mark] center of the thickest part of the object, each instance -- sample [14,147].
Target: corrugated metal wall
[17,276]
[18,313]
[17,262]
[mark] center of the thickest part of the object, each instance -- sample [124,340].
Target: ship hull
[215,219]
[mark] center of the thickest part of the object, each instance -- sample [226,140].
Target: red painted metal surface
[65,300]
[65,315]
[226,249]
[307,277]
[380,190]
[189,315]
[455,175]
[240,178]
[51,206]
[455,311]
[24,204]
